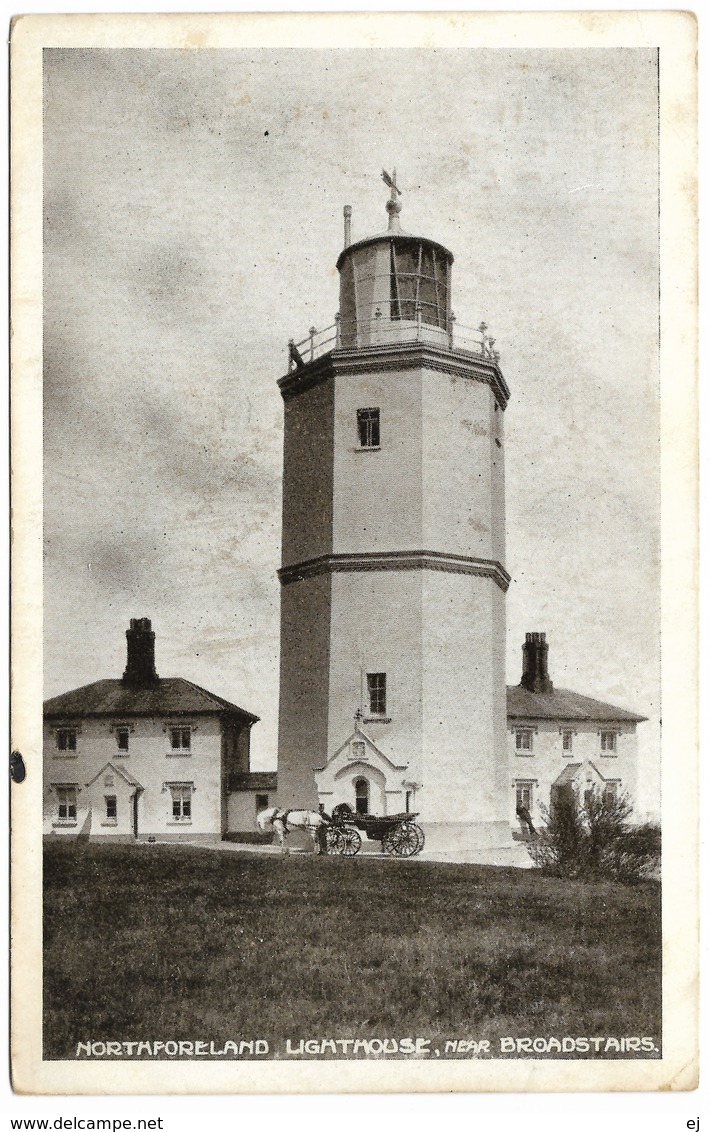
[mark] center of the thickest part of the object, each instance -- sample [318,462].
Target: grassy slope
[156,942]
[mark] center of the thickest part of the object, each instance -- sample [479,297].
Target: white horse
[283,821]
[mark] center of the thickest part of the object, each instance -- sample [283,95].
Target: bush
[594,838]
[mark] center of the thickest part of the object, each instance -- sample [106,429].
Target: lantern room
[394,287]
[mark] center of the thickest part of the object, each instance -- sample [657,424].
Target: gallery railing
[382,331]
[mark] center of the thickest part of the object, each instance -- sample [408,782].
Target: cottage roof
[254,780]
[563,704]
[172,696]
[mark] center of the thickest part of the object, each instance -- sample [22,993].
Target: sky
[193,217]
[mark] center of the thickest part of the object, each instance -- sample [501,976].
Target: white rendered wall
[546,761]
[461,511]
[152,762]
[377,493]
[435,484]
[377,627]
[464,763]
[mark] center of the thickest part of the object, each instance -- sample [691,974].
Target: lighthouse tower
[392,686]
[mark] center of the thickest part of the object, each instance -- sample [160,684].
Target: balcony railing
[382,331]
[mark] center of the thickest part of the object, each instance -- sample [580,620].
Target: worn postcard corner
[354,472]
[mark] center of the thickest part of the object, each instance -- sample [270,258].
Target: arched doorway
[362,796]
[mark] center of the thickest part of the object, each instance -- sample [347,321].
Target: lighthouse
[392,681]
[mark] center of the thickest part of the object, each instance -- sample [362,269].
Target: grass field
[154,941]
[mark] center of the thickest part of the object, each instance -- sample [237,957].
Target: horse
[283,821]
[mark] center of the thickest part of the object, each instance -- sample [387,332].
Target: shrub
[638,853]
[594,838]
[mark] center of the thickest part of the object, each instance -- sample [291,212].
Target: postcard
[354,460]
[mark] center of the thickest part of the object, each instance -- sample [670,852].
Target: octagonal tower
[392,687]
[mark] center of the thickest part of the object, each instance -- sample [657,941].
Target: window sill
[608,754]
[65,754]
[377,719]
[179,823]
[113,824]
[368,448]
[178,754]
[525,754]
[64,824]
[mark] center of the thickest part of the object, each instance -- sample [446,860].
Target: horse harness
[282,816]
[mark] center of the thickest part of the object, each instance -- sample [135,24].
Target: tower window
[567,740]
[608,741]
[122,734]
[368,427]
[377,692]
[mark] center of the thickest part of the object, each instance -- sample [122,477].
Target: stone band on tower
[393,583]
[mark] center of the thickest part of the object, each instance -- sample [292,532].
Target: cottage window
[524,739]
[66,739]
[181,795]
[567,740]
[611,790]
[180,738]
[523,795]
[66,804]
[368,427]
[262,802]
[111,809]
[608,741]
[377,692]
[122,734]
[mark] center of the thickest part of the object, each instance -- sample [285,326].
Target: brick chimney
[535,678]
[140,665]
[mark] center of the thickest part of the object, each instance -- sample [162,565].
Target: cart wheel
[420,835]
[389,843]
[334,840]
[404,840]
[351,841]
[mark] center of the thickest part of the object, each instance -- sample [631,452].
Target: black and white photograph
[348,590]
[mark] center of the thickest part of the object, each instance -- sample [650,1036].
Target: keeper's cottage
[145,757]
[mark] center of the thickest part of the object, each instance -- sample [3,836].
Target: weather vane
[393,206]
